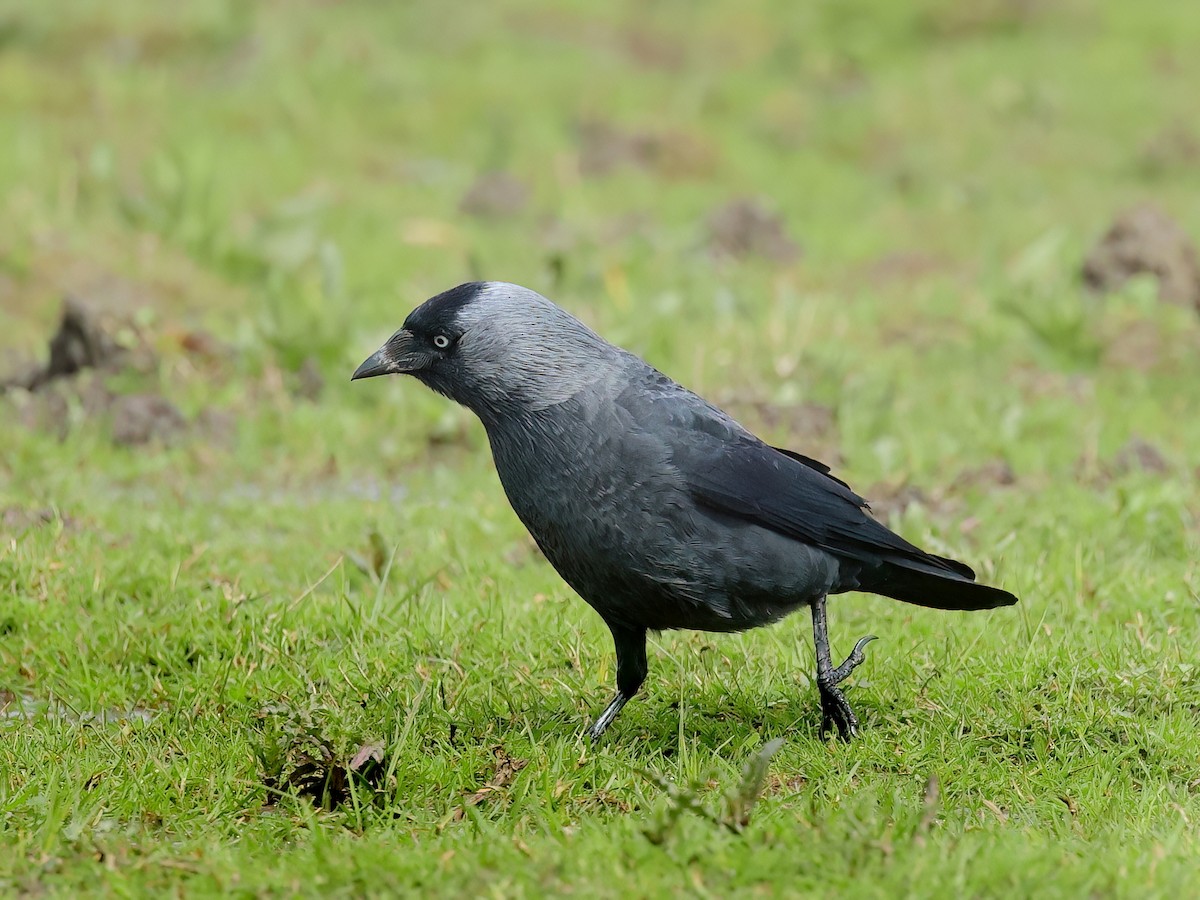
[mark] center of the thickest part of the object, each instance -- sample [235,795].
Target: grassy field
[297,643]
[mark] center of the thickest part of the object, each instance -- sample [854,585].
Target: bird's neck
[534,402]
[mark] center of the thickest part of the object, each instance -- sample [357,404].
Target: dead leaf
[506,769]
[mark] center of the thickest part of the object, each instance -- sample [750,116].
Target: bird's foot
[835,709]
[606,718]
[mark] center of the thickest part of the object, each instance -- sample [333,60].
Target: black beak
[399,355]
[375,364]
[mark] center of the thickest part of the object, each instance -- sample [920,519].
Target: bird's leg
[631,672]
[834,707]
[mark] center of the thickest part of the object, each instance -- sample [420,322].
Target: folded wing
[796,496]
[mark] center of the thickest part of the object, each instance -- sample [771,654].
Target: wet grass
[302,646]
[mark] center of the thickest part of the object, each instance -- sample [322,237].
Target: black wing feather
[730,471]
[754,482]
[815,464]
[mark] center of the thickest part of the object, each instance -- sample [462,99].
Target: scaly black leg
[631,672]
[834,707]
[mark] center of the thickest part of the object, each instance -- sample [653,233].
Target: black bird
[655,506]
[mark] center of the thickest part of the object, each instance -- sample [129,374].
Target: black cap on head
[439,313]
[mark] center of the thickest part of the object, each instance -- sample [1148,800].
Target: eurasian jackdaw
[658,508]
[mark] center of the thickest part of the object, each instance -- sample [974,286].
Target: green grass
[185,627]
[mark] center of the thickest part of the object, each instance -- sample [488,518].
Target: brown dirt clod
[994,473]
[805,421]
[1175,147]
[809,426]
[139,419]
[495,195]
[745,228]
[604,148]
[18,519]
[1144,240]
[80,343]
[310,380]
[1139,455]
[327,780]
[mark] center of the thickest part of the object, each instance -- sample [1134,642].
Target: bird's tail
[938,584]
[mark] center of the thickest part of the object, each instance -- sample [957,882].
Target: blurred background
[294,177]
[947,246]
[297,176]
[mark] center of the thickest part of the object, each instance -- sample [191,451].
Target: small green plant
[737,804]
[306,317]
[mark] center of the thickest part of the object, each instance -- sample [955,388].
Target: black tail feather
[935,589]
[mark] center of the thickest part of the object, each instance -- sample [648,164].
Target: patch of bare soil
[959,21]
[17,519]
[904,268]
[807,420]
[992,474]
[1146,241]
[745,228]
[55,404]
[309,381]
[654,49]
[81,342]
[495,195]
[945,500]
[1139,455]
[604,148]
[1139,345]
[89,343]
[1174,148]
[139,419]
[807,427]
[890,500]
[1136,455]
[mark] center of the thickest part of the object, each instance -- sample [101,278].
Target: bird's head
[496,348]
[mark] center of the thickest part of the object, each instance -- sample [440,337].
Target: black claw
[853,661]
[862,642]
